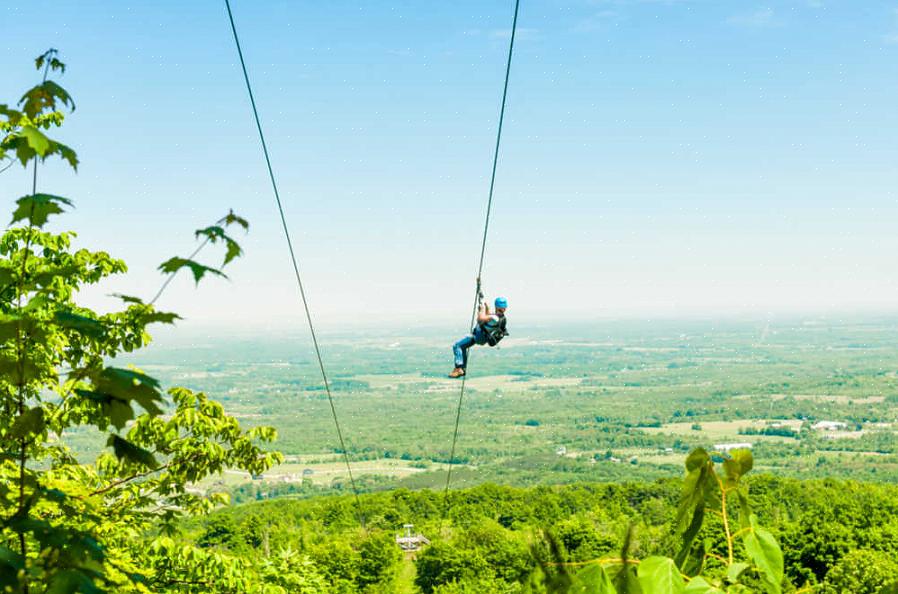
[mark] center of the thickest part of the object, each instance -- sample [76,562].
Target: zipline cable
[486,226]
[302,292]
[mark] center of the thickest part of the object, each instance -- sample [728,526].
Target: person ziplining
[490,329]
[478,306]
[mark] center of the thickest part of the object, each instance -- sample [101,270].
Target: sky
[659,159]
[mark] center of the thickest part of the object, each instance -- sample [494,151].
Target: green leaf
[626,581]
[163,317]
[128,298]
[696,459]
[691,510]
[744,508]
[19,373]
[69,581]
[126,385]
[43,97]
[699,585]
[198,270]
[233,250]
[114,389]
[735,570]
[745,459]
[116,410]
[659,575]
[10,559]
[13,117]
[81,324]
[37,208]
[36,303]
[9,327]
[66,153]
[125,450]
[36,139]
[214,234]
[49,56]
[233,219]
[767,556]
[29,423]
[738,464]
[592,580]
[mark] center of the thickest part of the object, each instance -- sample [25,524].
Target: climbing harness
[302,292]
[495,333]
[478,295]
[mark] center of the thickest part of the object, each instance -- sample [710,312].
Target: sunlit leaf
[660,575]
[592,580]
[36,139]
[735,570]
[691,509]
[767,556]
[739,463]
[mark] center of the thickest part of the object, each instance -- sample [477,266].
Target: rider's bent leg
[460,349]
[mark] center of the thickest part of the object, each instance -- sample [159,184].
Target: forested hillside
[836,536]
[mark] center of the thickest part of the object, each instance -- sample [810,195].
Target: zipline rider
[490,329]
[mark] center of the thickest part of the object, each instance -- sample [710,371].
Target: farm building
[726,447]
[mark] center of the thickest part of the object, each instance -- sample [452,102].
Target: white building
[829,426]
[726,447]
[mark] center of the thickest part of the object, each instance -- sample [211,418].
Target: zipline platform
[411,542]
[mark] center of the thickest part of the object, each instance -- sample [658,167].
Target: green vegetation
[73,522]
[834,536]
[644,393]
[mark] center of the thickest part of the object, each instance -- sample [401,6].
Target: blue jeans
[461,347]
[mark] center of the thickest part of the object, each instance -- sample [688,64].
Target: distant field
[321,474]
[624,401]
[725,431]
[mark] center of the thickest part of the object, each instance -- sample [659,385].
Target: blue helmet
[500,303]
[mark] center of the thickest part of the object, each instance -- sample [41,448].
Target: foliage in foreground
[836,536]
[696,567]
[98,525]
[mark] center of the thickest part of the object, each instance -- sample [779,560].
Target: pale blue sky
[660,157]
